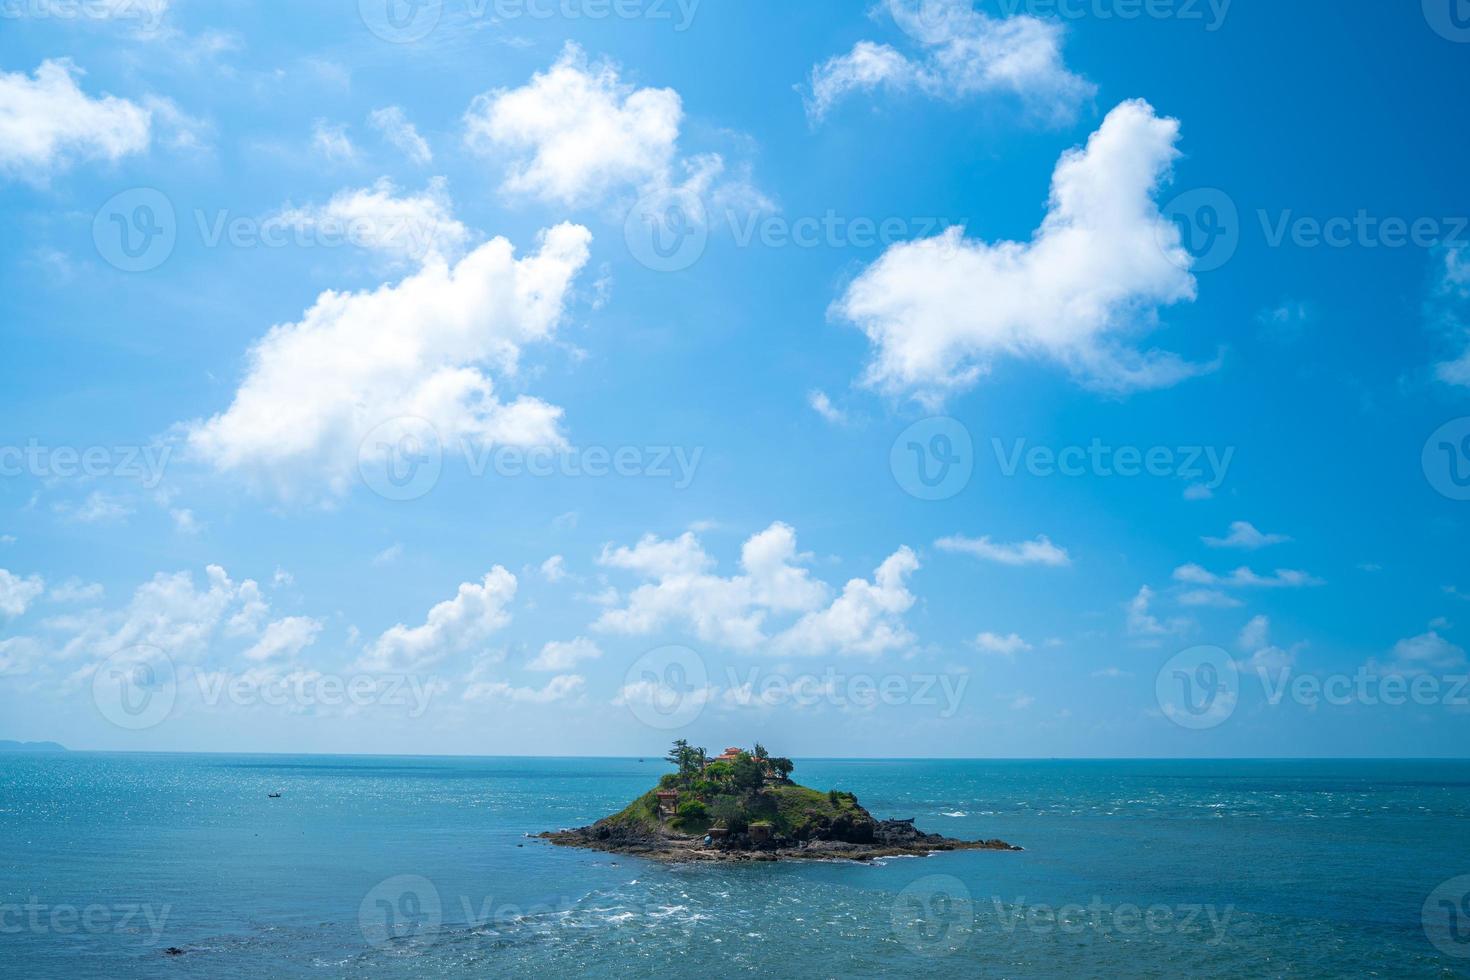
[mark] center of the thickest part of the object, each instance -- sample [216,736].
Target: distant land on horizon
[6,745]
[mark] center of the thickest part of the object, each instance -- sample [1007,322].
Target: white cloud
[554,569]
[73,590]
[1038,552]
[185,522]
[388,555]
[396,129]
[866,619]
[577,135]
[1255,633]
[171,614]
[452,626]
[1144,624]
[315,389]
[586,132]
[1198,491]
[1448,310]
[656,694]
[557,689]
[331,141]
[1243,534]
[1425,652]
[98,508]
[729,611]
[564,655]
[940,311]
[823,406]
[1004,646]
[966,53]
[285,638]
[16,593]
[1243,577]
[1210,598]
[413,226]
[733,612]
[1255,639]
[47,122]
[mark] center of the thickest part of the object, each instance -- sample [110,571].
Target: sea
[163,865]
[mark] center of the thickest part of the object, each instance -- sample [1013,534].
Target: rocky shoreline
[858,841]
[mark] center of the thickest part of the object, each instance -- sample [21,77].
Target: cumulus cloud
[285,638]
[452,626]
[1143,624]
[1265,657]
[564,655]
[579,130]
[577,135]
[315,389]
[939,311]
[16,593]
[733,611]
[1243,534]
[554,569]
[867,618]
[331,141]
[557,689]
[1423,654]
[170,613]
[1038,552]
[406,226]
[963,53]
[47,122]
[398,130]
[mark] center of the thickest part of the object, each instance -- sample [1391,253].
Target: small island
[743,806]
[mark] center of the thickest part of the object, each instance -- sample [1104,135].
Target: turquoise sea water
[400,867]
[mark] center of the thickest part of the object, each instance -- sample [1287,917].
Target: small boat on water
[274,796]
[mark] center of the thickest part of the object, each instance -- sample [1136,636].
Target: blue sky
[319,293]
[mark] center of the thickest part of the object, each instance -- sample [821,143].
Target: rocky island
[743,806]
